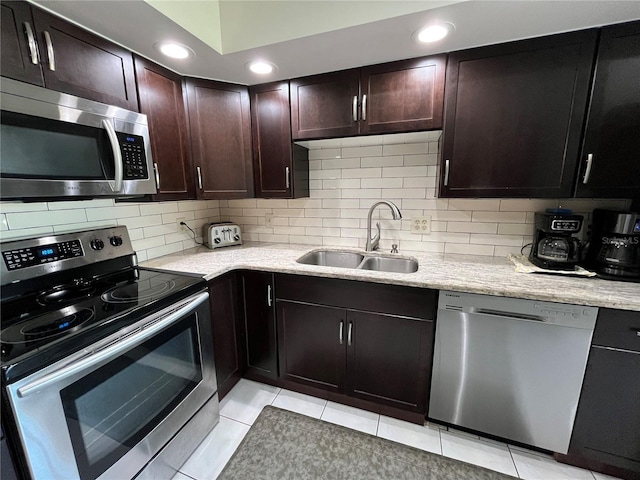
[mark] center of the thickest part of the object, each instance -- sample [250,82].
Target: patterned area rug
[283,445]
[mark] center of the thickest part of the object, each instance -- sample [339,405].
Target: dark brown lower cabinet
[223,295]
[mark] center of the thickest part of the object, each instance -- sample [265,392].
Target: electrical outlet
[421,225]
[268,219]
[181,228]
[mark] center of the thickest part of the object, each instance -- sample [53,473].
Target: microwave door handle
[117,156]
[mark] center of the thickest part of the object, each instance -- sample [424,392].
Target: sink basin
[331,258]
[390,264]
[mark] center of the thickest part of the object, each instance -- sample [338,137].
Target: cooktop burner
[139,290]
[47,326]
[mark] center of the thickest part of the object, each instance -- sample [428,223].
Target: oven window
[110,410]
[34,147]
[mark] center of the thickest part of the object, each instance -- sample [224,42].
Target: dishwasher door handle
[512,315]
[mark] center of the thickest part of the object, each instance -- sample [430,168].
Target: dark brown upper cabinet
[71,59]
[392,97]
[280,168]
[220,132]
[513,117]
[161,99]
[610,161]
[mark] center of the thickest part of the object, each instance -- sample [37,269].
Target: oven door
[107,411]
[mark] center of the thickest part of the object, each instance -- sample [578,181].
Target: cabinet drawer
[370,297]
[618,329]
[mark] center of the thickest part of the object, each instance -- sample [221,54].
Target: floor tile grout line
[238,421]
[514,461]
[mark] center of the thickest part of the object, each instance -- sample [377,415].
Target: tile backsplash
[346,177]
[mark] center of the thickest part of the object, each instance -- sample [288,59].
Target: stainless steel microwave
[54,145]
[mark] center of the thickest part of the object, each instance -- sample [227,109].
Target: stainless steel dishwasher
[511,368]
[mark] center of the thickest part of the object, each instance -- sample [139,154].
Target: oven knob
[217,240]
[236,237]
[97,244]
[116,241]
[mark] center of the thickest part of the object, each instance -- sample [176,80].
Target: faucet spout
[372,243]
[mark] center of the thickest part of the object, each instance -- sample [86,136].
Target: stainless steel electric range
[107,368]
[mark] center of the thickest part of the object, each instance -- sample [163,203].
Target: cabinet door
[161,99]
[611,150]
[513,117]
[325,105]
[389,359]
[312,341]
[608,416]
[19,59]
[403,96]
[281,169]
[76,62]
[260,324]
[223,295]
[220,131]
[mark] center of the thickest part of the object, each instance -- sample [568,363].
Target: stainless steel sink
[332,258]
[390,264]
[336,258]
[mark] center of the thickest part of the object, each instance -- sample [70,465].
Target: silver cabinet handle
[199,172]
[355,108]
[446,172]
[117,156]
[341,332]
[364,107]
[269,295]
[349,334]
[31,40]
[287,177]
[587,171]
[50,54]
[155,169]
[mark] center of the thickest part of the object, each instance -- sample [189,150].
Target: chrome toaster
[223,234]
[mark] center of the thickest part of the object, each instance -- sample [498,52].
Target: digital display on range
[636,227]
[48,251]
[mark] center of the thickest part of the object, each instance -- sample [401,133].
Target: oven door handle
[111,347]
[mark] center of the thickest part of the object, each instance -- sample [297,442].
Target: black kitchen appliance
[107,367]
[554,245]
[614,244]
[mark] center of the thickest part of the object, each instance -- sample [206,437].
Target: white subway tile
[466,249]
[305,240]
[470,227]
[368,151]
[116,212]
[274,238]
[340,242]
[3,222]
[492,205]
[340,203]
[315,165]
[526,204]
[362,173]
[388,161]
[272,203]
[432,193]
[322,194]
[142,256]
[156,252]
[305,222]
[144,221]
[243,203]
[206,213]
[447,237]
[322,213]
[256,212]
[173,217]
[135,233]
[144,244]
[322,231]
[353,213]
[281,221]
[290,230]
[404,172]
[325,174]
[416,182]
[500,217]
[432,171]
[242,221]
[353,232]
[437,226]
[180,237]
[404,193]
[450,215]
[37,219]
[340,163]
[288,212]
[258,229]
[341,183]
[434,147]
[503,251]
[512,240]
[341,222]
[324,153]
[428,204]
[315,185]
[362,193]
[305,203]
[421,247]
[19,207]
[25,232]
[74,227]
[405,149]
[103,202]
[161,230]
[434,135]
[158,208]
[515,229]
[217,203]
[185,205]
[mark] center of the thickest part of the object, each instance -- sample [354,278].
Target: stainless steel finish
[287,177]
[221,234]
[350,334]
[511,368]
[31,42]
[89,255]
[113,346]
[31,100]
[269,300]
[355,108]
[390,264]
[50,53]
[116,185]
[157,172]
[341,333]
[372,243]
[587,171]
[199,171]
[364,107]
[41,413]
[331,258]
[446,172]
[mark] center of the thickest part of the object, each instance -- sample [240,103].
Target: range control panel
[29,256]
[222,235]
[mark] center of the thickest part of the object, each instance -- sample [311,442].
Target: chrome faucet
[372,243]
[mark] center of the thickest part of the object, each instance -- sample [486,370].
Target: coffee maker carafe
[614,246]
[554,246]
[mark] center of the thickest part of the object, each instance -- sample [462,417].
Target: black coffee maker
[614,245]
[554,246]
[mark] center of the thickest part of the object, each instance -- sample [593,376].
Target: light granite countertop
[463,273]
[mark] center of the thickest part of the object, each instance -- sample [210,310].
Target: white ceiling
[304,37]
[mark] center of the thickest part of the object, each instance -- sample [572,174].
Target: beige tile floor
[240,408]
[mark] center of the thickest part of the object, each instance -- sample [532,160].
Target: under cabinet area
[45,50]
[392,97]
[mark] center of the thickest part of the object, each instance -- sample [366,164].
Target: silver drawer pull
[31,41]
[364,107]
[199,171]
[349,334]
[155,168]
[587,172]
[446,172]
[355,108]
[50,53]
[269,301]
[287,177]
[341,333]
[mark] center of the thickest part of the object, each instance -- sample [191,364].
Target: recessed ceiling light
[174,50]
[261,67]
[433,32]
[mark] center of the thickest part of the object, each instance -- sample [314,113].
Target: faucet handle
[394,248]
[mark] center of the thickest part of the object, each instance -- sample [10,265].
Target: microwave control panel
[29,256]
[133,156]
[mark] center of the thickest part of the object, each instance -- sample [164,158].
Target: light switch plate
[421,225]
